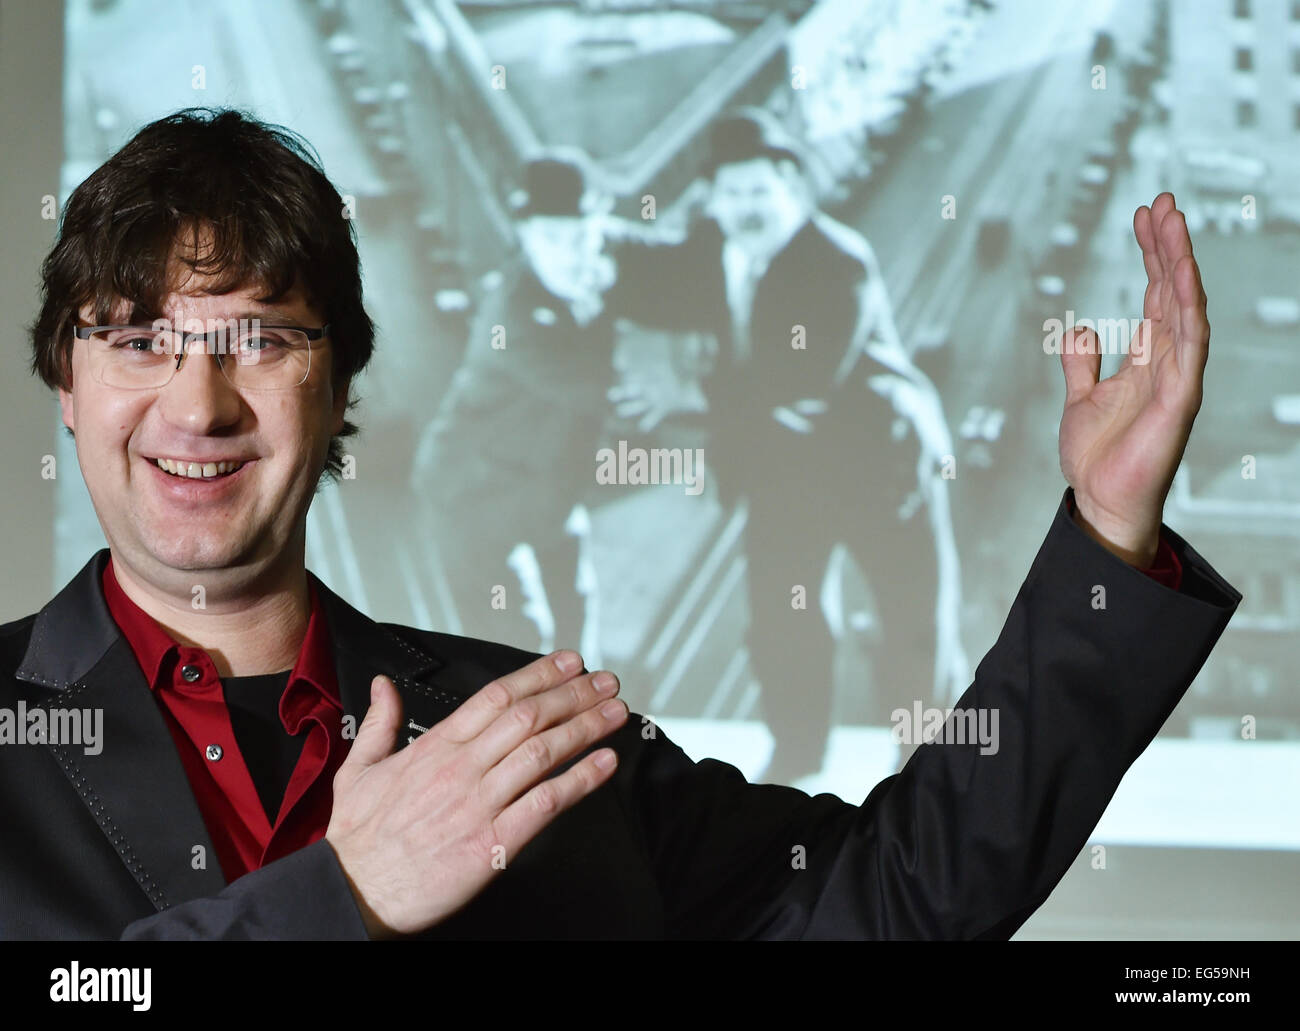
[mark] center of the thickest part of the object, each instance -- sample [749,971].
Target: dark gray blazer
[958,845]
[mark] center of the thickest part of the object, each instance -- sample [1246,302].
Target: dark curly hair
[260,196]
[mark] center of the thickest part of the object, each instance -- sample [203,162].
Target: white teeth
[196,471]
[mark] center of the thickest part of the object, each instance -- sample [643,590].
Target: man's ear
[65,405]
[340,405]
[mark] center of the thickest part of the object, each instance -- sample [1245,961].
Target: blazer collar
[77,654]
[71,633]
[75,631]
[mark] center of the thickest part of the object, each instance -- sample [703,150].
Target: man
[489,792]
[817,418]
[528,394]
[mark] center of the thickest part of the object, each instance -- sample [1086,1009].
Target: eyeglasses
[252,356]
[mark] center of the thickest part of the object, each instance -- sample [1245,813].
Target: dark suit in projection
[853,478]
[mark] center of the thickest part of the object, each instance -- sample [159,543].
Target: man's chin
[197,553]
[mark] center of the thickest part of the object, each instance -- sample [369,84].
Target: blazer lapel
[135,787]
[432,685]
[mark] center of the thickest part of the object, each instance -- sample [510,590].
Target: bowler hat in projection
[553,186]
[746,135]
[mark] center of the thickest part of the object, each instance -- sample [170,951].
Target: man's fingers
[1173,238]
[532,715]
[486,704]
[1142,230]
[1193,342]
[1146,238]
[1180,296]
[1160,207]
[1173,242]
[1157,237]
[1153,298]
[522,821]
[537,756]
[377,734]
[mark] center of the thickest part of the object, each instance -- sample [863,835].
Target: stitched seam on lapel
[409,647]
[432,692]
[106,824]
[38,633]
[419,685]
[35,644]
[36,678]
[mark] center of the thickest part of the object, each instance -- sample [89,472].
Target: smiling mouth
[197,470]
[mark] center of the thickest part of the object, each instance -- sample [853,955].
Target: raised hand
[654,387]
[422,831]
[1122,438]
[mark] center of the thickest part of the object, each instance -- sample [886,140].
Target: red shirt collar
[155,649]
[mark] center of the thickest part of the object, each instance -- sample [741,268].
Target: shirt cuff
[1166,569]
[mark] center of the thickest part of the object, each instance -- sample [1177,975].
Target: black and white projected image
[716,340]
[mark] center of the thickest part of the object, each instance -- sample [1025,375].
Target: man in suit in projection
[818,418]
[273,763]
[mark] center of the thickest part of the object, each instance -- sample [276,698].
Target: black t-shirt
[269,752]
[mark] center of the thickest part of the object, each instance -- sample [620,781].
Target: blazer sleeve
[304,896]
[959,844]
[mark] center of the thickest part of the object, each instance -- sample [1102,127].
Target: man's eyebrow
[264,314]
[141,316]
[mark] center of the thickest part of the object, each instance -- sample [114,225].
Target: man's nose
[199,397]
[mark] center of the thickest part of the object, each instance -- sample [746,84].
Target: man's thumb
[378,731]
[1081,360]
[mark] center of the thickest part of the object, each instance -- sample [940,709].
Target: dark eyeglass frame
[311,333]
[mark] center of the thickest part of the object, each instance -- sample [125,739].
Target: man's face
[160,523]
[751,200]
[563,251]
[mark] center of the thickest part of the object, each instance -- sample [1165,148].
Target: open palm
[1122,438]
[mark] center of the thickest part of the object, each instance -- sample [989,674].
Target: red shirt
[1166,569]
[189,693]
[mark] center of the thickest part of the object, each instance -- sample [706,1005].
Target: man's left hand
[1121,439]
